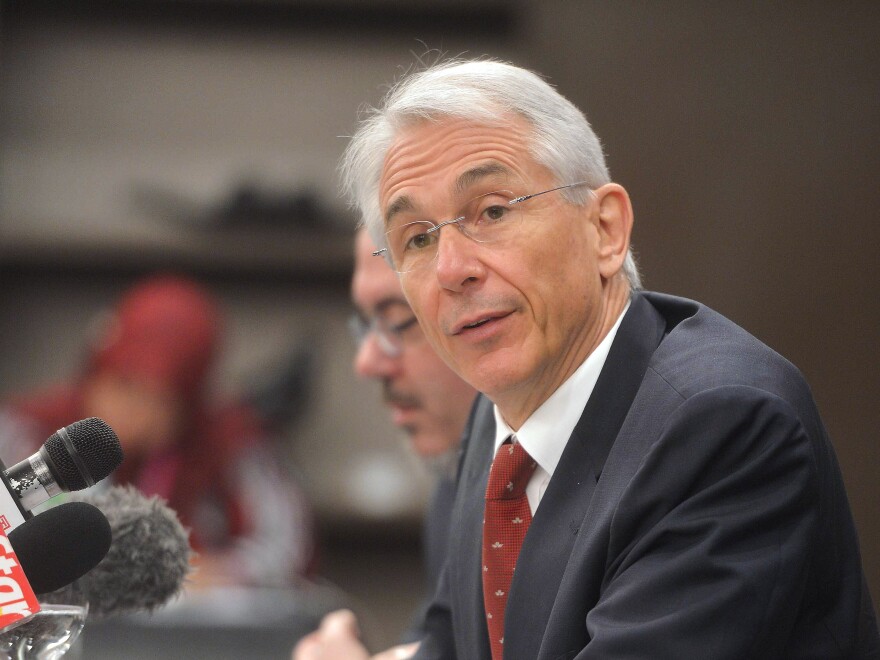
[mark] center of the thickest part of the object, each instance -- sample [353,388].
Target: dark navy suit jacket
[435,540]
[697,511]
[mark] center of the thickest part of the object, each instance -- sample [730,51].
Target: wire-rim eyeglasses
[486,218]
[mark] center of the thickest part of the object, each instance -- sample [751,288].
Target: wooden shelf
[254,253]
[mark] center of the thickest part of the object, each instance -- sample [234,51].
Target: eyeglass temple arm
[522,198]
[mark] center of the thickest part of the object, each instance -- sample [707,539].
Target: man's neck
[518,404]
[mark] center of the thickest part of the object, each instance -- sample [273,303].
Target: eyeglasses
[389,325]
[489,218]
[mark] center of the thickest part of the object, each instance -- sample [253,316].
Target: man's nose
[371,361]
[457,259]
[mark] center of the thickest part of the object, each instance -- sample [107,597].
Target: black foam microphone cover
[61,544]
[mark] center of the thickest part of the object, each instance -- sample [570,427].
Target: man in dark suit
[659,479]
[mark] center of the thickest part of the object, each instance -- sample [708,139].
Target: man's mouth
[404,416]
[479,321]
[477,324]
[397,399]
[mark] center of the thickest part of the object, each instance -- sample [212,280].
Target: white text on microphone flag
[17,598]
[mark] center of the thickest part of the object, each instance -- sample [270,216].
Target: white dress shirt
[546,432]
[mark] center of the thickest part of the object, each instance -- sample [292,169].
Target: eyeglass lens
[392,318]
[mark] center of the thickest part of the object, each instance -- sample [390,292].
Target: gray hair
[485,91]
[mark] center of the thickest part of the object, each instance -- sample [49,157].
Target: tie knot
[510,473]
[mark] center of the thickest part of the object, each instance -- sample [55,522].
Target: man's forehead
[459,152]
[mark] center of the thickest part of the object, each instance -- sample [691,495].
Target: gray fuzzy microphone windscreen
[148,560]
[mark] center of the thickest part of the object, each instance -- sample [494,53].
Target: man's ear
[614,223]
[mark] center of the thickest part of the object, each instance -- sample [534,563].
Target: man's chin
[441,463]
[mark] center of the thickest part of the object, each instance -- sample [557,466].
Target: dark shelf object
[262,253]
[496,18]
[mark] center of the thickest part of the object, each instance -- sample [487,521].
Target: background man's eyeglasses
[488,218]
[389,333]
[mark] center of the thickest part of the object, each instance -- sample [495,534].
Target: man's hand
[338,638]
[402,652]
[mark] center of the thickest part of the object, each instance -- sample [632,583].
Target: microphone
[148,559]
[74,457]
[61,544]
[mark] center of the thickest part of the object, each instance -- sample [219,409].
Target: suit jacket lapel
[559,517]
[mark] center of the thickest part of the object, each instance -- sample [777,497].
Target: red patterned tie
[505,524]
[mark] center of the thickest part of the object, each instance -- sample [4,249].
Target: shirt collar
[546,432]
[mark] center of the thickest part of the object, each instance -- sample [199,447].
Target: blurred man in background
[426,398]
[147,374]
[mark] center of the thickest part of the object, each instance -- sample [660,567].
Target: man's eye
[494,213]
[399,328]
[420,241]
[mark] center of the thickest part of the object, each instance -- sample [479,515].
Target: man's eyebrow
[399,205]
[476,174]
[380,307]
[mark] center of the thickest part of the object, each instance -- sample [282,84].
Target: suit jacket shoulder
[702,350]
